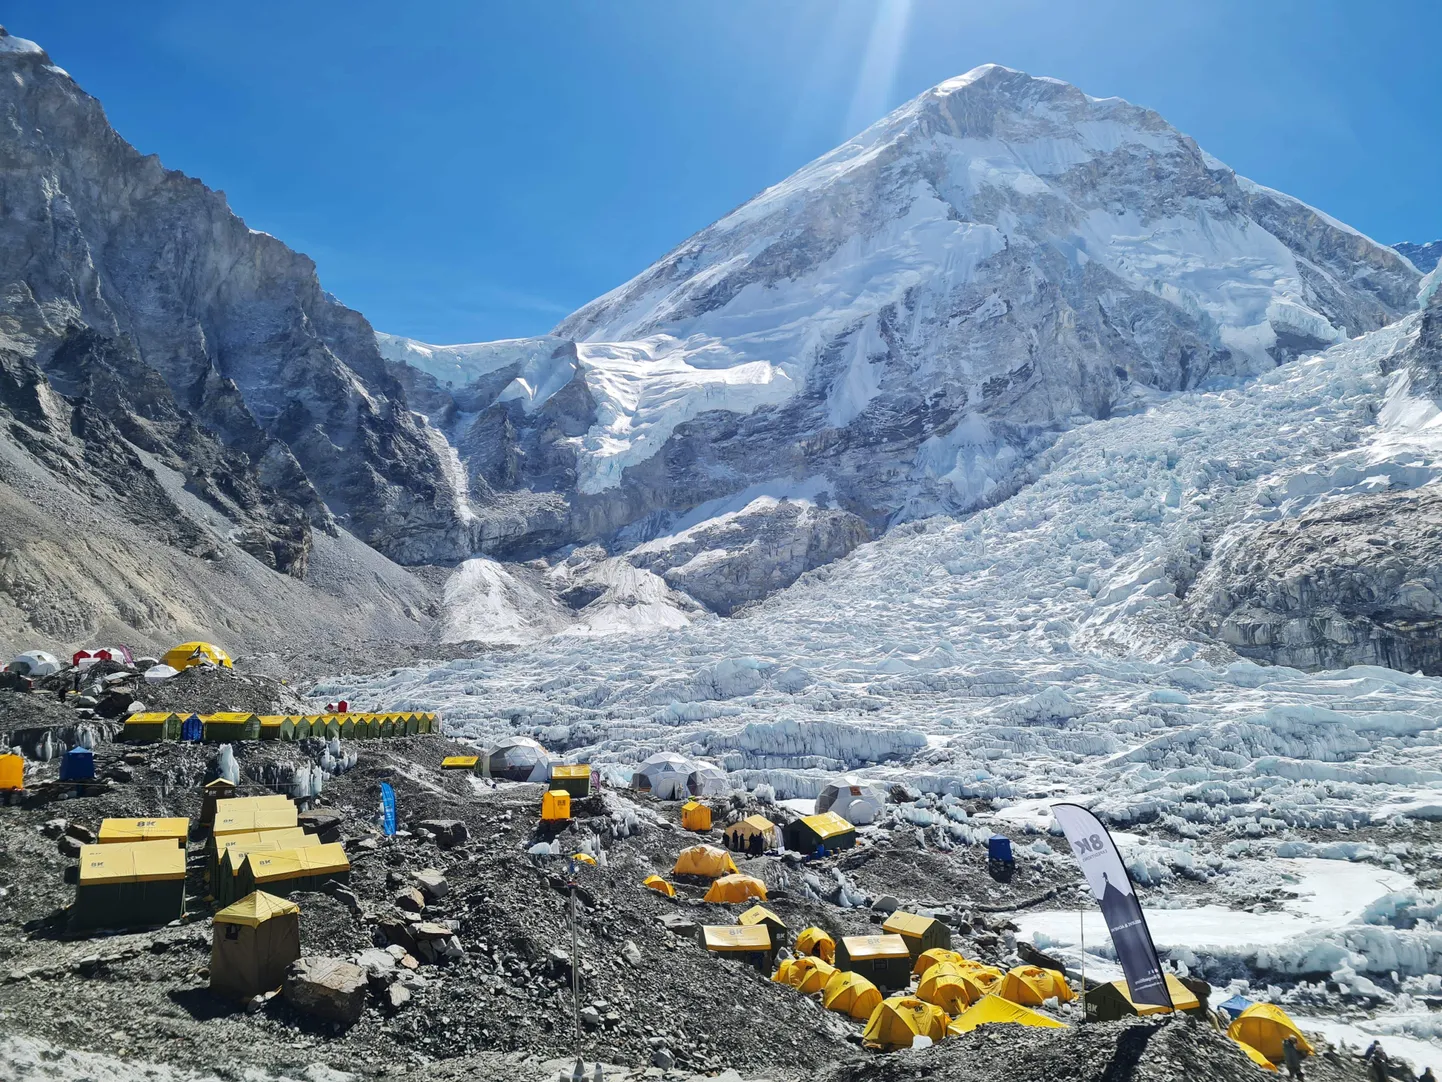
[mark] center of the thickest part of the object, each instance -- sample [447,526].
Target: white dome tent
[518,758]
[858,802]
[707,779]
[156,673]
[664,775]
[34,663]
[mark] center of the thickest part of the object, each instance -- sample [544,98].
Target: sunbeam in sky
[878,68]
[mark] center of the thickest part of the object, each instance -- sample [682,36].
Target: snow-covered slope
[906,321]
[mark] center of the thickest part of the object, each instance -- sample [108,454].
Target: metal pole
[575,970]
[1082,920]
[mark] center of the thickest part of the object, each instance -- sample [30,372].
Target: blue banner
[388,809]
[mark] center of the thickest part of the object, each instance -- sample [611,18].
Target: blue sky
[462,171]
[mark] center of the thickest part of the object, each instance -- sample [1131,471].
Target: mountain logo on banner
[1112,887]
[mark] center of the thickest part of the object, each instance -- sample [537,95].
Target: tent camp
[12,771]
[995,1009]
[113,831]
[664,775]
[752,826]
[574,778]
[749,944]
[252,943]
[150,726]
[285,870]
[921,933]
[229,725]
[817,942]
[706,861]
[188,654]
[83,659]
[730,889]
[808,834]
[1031,986]
[129,885]
[1114,1000]
[695,816]
[811,975]
[518,758]
[774,925]
[1264,1026]
[897,1022]
[659,885]
[881,959]
[34,663]
[246,815]
[856,801]
[555,806]
[851,994]
[707,779]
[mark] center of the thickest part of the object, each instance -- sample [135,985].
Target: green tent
[129,885]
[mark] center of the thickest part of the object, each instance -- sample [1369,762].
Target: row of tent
[150,727]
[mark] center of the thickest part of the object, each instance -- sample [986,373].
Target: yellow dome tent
[946,986]
[1265,1026]
[555,806]
[817,942]
[931,957]
[896,1022]
[584,858]
[995,1009]
[736,888]
[817,974]
[695,816]
[1256,1057]
[1031,986]
[196,653]
[707,861]
[785,973]
[851,994]
[659,885]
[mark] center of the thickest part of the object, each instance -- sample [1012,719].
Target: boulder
[54,828]
[324,824]
[326,988]
[410,900]
[447,832]
[83,835]
[395,997]
[432,883]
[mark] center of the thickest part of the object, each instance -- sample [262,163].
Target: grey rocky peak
[1424,257]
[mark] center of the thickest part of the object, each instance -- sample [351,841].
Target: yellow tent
[896,1022]
[584,858]
[980,980]
[249,814]
[695,816]
[555,806]
[286,870]
[144,830]
[196,653]
[12,772]
[1114,1000]
[460,762]
[785,972]
[995,1009]
[816,974]
[1031,986]
[659,885]
[1265,1026]
[945,984]
[736,888]
[746,944]
[129,885]
[932,957]
[751,826]
[1256,1057]
[704,860]
[817,942]
[759,914]
[850,993]
[252,944]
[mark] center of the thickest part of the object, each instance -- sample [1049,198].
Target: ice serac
[99,238]
[908,320]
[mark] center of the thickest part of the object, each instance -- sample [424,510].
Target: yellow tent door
[555,806]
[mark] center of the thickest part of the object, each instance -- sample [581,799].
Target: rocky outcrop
[234,324]
[1356,581]
[1424,257]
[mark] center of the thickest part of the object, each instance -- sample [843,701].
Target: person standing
[1292,1058]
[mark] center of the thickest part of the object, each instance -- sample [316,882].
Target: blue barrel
[77,764]
[999,849]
